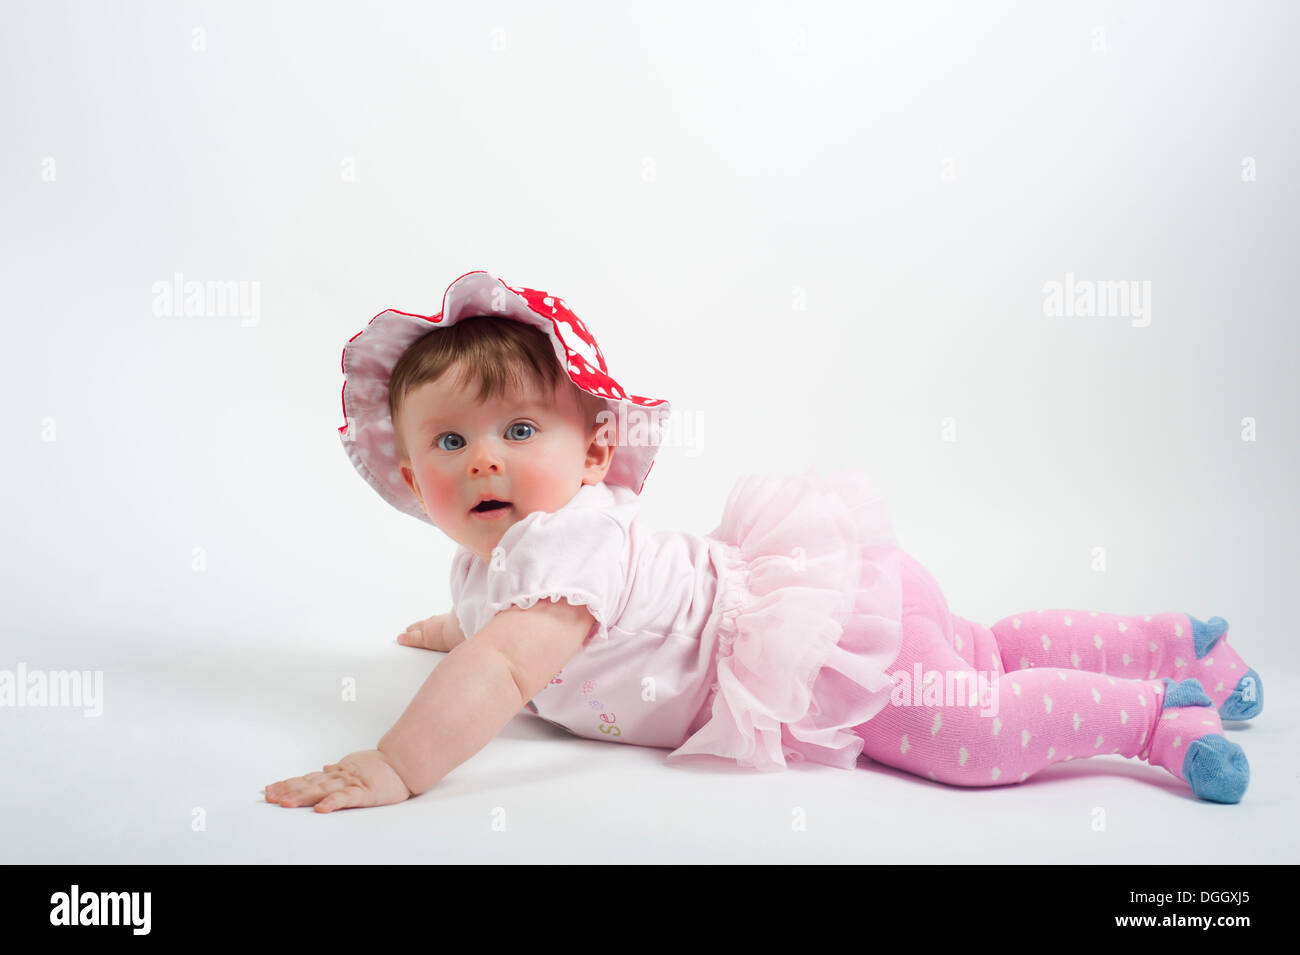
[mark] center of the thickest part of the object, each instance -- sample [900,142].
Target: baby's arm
[480,687]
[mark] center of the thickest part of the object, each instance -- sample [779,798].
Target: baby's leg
[1166,645]
[1033,718]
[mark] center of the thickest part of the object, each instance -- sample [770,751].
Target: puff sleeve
[574,554]
[462,567]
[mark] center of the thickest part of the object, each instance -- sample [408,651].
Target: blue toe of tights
[1216,769]
[1246,701]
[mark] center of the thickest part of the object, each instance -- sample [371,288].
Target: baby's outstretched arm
[468,698]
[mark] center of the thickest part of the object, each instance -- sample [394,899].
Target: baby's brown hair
[499,353]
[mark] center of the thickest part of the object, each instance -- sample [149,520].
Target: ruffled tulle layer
[807,618]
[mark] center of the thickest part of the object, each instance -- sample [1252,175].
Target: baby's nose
[485,460]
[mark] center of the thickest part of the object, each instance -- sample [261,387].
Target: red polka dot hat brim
[370,356]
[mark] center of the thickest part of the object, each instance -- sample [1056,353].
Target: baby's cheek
[549,478]
[439,494]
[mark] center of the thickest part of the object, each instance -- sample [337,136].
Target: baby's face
[531,450]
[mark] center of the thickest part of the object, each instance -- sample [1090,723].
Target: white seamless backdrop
[824,231]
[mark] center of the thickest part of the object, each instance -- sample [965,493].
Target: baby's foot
[1233,687]
[1246,700]
[1188,741]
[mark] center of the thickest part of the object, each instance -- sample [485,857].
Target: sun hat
[370,356]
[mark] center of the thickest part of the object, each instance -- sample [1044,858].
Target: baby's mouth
[486,506]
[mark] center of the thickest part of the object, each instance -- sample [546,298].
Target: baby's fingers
[349,797]
[303,790]
[418,634]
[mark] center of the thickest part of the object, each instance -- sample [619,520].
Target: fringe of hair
[500,354]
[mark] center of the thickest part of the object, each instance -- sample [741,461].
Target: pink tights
[1058,685]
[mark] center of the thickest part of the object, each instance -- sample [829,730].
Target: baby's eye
[453,435]
[521,424]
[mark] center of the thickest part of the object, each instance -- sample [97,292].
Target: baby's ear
[408,476]
[600,452]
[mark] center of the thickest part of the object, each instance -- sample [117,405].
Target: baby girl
[796,630]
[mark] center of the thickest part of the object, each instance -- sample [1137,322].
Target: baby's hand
[356,781]
[425,634]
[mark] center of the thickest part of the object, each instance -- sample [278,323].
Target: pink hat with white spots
[370,356]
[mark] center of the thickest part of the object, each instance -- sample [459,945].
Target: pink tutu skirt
[807,621]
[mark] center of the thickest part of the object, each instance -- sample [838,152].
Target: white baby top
[645,671]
